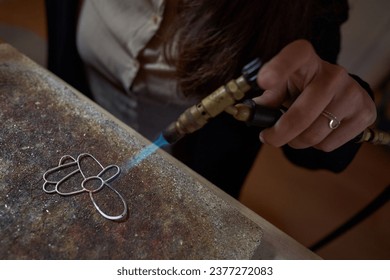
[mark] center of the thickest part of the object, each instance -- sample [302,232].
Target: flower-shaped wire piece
[69,167]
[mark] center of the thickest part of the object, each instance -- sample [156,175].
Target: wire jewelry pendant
[69,168]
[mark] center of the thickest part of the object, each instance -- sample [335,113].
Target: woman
[147,61]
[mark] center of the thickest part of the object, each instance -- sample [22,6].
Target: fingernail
[261,138]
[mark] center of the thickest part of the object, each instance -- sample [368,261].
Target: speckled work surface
[172,214]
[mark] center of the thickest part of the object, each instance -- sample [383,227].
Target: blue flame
[145,152]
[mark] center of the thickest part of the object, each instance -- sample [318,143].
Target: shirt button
[156,19]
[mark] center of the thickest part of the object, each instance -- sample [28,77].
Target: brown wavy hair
[215,38]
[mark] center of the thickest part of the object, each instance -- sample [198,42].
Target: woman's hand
[318,94]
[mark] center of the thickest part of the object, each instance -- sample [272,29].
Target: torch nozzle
[171,134]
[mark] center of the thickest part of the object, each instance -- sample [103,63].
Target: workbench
[173,213]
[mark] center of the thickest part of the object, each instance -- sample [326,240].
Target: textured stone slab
[173,212]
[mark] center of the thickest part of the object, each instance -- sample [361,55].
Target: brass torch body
[212,105]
